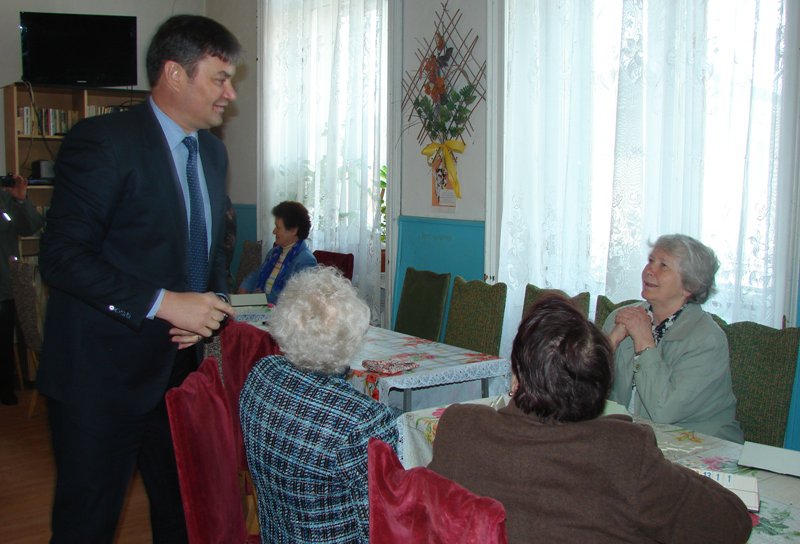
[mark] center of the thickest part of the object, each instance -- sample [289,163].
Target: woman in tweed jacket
[305,428]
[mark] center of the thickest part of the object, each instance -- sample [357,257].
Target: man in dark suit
[130,297]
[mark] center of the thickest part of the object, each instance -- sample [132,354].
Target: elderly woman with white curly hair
[671,358]
[305,427]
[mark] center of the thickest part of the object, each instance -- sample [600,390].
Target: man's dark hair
[562,361]
[187,39]
[294,215]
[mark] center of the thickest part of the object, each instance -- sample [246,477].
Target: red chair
[207,459]
[342,261]
[419,505]
[242,345]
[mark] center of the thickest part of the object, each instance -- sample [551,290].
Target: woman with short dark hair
[569,386]
[671,358]
[288,256]
[563,472]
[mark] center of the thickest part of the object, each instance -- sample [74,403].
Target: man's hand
[193,314]
[183,338]
[19,189]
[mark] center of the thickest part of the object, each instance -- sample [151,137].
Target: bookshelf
[34,128]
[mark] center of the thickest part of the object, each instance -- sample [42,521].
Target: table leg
[407,400]
[484,387]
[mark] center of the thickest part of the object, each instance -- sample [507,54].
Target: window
[324,124]
[626,120]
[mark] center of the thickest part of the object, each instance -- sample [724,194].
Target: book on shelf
[93,110]
[44,121]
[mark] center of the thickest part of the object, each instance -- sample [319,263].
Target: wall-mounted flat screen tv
[73,49]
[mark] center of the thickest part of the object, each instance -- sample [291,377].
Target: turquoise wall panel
[246,220]
[792,438]
[438,245]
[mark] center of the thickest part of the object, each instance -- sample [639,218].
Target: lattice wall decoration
[441,96]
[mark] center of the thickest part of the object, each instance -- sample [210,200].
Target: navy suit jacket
[116,234]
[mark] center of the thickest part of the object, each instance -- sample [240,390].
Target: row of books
[54,121]
[45,121]
[92,110]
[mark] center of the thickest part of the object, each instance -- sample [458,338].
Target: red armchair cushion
[242,345]
[418,505]
[206,457]
[343,261]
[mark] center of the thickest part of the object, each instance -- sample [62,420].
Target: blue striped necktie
[197,251]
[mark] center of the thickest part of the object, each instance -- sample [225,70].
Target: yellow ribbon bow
[447,148]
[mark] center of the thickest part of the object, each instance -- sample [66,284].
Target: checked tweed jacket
[306,439]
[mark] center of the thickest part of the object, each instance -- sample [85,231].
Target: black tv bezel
[90,75]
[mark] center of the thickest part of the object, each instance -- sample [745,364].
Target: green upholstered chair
[422,303]
[249,260]
[718,320]
[532,293]
[604,307]
[763,361]
[475,320]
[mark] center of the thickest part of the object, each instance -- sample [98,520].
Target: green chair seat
[475,320]
[533,293]
[604,307]
[249,261]
[422,303]
[763,361]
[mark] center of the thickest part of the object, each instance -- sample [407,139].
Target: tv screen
[85,50]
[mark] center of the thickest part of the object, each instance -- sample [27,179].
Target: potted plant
[383,179]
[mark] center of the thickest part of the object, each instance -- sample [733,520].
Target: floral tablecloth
[439,364]
[778,519]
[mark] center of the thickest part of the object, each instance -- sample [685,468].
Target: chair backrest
[718,320]
[419,505]
[202,434]
[242,345]
[532,293]
[475,319]
[342,261]
[28,303]
[763,362]
[604,307]
[249,260]
[422,303]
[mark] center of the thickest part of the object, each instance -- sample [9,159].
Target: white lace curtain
[629,119]
[321,129]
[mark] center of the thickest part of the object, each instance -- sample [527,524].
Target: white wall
[418,25]
[240,128]
[240,16]
[149,14]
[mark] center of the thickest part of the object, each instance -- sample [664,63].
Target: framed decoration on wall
[441,96]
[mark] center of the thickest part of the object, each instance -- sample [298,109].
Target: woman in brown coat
[563,472]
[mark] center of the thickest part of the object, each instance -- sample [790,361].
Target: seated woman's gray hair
[698,264]
[319,321]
